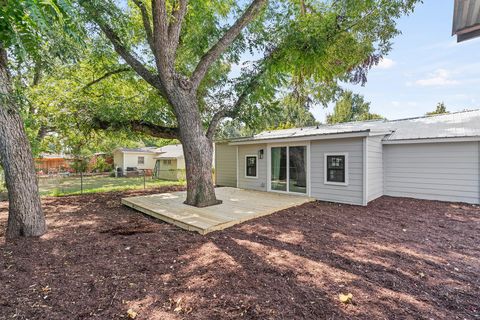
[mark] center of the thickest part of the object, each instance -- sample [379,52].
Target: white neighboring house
[165,163]
[128,159]
[433,157]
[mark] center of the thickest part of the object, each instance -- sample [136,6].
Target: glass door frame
[269,165]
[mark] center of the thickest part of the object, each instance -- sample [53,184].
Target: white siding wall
[225,165]
[131,160]
[436,171]
[353,193]
[259,183]
[375,167]
[118,159]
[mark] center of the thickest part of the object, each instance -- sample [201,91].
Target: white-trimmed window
[141,160]
[167,162]
[336,168]
[251,166]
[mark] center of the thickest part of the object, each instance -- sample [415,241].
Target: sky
[424,67]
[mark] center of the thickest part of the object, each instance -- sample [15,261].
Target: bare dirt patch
[399,258]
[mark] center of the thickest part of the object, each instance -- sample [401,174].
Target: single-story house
[165,163]
[133,159]
[432,157]
[170,163]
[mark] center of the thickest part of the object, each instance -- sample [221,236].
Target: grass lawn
[399,258]
[59,186]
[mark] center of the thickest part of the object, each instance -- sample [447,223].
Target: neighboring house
[434,157]
[170,163]
[165,162]
[132,159]
[466,19]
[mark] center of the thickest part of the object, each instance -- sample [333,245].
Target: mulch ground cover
[398,258]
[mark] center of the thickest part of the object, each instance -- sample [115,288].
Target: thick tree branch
[146,22]
[138,126]
[160,38]
[225,41]
[129,58]
[106,75]
[121,49]
[175,27]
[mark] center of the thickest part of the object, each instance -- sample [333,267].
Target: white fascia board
[304,138]
[431,140]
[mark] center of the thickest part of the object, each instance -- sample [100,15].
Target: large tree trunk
[25,216]
[197,150]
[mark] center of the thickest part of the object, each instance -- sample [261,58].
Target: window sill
[343,184]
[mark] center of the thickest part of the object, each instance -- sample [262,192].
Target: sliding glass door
[279,169]
[297,181]
[289,169]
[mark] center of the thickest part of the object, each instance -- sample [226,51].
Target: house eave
[322,136]
[433,140]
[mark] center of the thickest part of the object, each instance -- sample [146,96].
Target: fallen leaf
[177,309]
[345,298]
[131,314]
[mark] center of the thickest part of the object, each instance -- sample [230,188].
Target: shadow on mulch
[400,259]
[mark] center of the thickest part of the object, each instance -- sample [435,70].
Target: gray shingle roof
[450,125]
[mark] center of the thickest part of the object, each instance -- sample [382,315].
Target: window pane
[297,169]
[279,168]
[336,175]
[251,168]
[336,162]
[335,168]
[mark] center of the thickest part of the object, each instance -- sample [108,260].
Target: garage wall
[259,183]
[374,167]
[225,165]
[353,193]
[435,171]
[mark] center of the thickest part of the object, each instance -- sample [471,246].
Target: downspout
[365,171]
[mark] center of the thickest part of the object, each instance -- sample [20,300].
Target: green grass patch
[59,186]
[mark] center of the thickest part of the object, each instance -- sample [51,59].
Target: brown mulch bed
[399,258]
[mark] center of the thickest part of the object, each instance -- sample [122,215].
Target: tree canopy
[441,108]
[287,48]
[351,107]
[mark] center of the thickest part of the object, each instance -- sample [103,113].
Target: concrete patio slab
[238,205]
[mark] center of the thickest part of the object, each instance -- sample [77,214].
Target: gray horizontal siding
[225,165]
[375,167]
[353,193]
[259,183]
[434,171]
